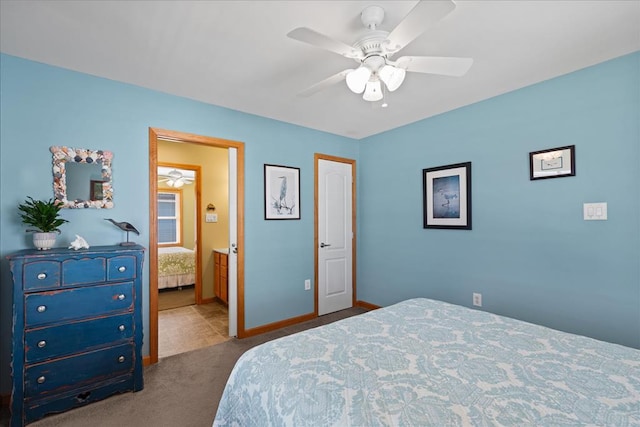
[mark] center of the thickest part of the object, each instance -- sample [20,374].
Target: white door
[232,271]
[335,237]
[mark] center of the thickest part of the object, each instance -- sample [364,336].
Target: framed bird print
[447,196]
[281,192]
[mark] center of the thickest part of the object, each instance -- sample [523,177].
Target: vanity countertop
[222,250]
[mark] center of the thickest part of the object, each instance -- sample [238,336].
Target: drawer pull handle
[122,269]
[42,308]
[121,297]
[120,359]
[42,344]
[121,328]
[82,397]
[42,276]
[41,380]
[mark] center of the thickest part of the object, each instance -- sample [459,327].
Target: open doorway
[207,210]
[179,229]
[188,316]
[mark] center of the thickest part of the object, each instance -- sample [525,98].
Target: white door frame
[317,158]
[232,272]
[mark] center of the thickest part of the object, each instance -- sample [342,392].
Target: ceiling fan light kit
[374,67]
[175,179]
[175,184]
[374,50]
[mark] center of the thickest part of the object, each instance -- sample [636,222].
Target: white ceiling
[236,54]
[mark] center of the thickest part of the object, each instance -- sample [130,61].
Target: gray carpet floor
[180,391]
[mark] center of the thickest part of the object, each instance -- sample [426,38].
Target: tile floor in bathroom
[191,327]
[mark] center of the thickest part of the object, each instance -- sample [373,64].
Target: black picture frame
[447,196]
[281,192]
[556,162]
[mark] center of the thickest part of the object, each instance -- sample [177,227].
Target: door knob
[323,245]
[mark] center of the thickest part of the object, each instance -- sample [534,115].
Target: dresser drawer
[77,303]
[59,375]
[83,270]
[41,274]
[55,341]
[72,272]
[121,268]
[35,409]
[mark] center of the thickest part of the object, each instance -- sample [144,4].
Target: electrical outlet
[307,285]
[477,299]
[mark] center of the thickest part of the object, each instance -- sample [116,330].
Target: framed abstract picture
[281,192]
[552,163]
[447,196]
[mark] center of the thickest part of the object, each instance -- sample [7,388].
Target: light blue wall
[530,253]
[43,106]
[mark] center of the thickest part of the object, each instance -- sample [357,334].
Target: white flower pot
[44,241]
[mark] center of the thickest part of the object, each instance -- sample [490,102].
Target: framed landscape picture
[447,196]
[281,192]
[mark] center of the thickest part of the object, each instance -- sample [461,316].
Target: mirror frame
[62,155]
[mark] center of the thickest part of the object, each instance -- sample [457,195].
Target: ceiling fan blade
[424,14]
[336,78]
[314,38]
[443,65]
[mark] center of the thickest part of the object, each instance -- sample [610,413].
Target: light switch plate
[595,211]
[211,218]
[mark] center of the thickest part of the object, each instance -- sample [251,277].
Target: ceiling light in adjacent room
[175,183]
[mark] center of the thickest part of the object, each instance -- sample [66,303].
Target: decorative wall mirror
[82,178]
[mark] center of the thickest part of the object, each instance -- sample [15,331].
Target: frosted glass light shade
[392,76]
[175,183]
[357,79]
[373,91]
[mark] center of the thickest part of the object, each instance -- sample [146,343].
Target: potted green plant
[44,217]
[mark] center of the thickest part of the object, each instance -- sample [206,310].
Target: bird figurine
[124,226]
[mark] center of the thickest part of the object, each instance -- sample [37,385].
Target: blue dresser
[77,331]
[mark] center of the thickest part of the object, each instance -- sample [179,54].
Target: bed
[428,363]
[176,267]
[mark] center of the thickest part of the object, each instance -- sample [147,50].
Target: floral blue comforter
[428,363]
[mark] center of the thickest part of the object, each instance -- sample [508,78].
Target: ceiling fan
[175,178]
[374,51]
